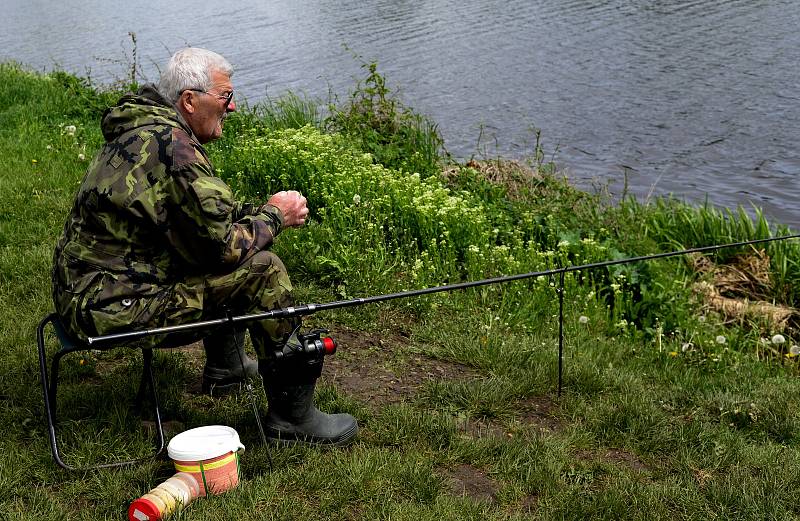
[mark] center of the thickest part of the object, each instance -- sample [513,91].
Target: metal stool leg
[148,380]
[48,391]
[50,387]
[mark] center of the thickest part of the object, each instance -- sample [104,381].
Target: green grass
[657,419]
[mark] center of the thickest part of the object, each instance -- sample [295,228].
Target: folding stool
[69,344]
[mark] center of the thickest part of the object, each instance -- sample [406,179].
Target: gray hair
[191,68]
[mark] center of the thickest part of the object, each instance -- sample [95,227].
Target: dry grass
[740,291]
[515,176]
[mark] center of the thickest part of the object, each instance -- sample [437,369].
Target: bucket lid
[204,443]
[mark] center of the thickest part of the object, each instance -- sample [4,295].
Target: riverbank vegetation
[680,392]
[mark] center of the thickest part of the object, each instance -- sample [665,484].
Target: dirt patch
[378,370]
[619,457]
[701,476]
[374,369]
[538,411]
[468,481]
[625,458]
[530,504]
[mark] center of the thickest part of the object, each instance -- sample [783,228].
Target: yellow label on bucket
[206,466]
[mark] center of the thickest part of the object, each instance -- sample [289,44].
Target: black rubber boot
[223,371]
[292,416]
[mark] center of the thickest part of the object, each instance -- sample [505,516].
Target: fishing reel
[310,345]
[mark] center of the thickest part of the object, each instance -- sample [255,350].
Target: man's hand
[292,205]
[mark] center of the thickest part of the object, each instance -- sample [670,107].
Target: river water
[694,98]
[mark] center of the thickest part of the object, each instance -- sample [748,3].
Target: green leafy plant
[395,136]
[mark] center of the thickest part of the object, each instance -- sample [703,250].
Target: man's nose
[231,106]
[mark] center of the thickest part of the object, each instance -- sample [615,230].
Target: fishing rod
[308,309]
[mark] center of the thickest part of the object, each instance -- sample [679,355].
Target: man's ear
[186,102]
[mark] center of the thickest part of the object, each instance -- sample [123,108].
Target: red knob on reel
[311,344]
[314,343]
[328,345]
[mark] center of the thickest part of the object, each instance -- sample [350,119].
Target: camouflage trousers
[259,284]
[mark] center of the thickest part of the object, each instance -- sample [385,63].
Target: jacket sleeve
[242,210]
[196,212]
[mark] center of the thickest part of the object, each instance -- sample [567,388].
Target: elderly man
[155,238]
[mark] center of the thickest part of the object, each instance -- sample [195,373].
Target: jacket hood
[146,107]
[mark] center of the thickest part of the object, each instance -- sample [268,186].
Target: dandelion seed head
[686,346]
[356,199]
[583,319]
[81,157]
[794,350]
[778,339]
[720,339]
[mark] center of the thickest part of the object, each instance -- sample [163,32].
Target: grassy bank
[678,403]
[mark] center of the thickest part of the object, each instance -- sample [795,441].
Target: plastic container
[171,495]
[210,454]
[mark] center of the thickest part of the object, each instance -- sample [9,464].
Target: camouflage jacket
[149,213]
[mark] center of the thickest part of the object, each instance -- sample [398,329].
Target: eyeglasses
[227,97]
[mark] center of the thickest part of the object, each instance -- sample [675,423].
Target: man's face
[205,111]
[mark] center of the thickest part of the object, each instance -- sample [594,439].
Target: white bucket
[210,454]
